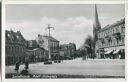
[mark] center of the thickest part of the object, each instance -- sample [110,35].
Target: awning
[117,51]
[108,52]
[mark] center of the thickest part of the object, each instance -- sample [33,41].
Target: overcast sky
[72,23]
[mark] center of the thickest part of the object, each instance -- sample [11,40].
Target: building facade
[109,40]
[31,44]
[47,42]
[15,47]
[37,54]
[67,50]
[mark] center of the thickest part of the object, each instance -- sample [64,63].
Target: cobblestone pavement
[105,67]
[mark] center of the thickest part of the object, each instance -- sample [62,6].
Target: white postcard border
[59,2]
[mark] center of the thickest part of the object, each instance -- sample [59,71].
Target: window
[113,30]
[109,32]
[8,35]
[117,29]
[106,32]
[122,40]
[17,37]
[9,49]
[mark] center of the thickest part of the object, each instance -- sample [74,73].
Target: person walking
[17,66]
[25,70]
[26,65]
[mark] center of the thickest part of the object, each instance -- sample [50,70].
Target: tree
[89,45]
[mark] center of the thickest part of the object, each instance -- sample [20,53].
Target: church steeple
[96,24]
[96,19]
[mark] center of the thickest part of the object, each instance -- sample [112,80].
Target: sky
[71,22]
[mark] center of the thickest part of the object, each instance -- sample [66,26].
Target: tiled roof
[114,24]
[14,36]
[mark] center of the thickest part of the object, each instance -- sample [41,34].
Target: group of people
[17,65]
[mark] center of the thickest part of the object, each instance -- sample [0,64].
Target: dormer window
[17,37]
[8,35]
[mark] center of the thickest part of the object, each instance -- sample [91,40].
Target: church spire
[96,25]
[96,19]
[96,28]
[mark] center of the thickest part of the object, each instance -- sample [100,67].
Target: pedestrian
[24,72]
[26,65]
[17,66]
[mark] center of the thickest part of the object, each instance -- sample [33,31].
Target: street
[100,67]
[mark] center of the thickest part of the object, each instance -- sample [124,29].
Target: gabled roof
[51,38]
[14,36]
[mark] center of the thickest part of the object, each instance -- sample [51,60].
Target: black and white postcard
[64,41]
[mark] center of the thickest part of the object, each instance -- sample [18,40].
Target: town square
[65,41]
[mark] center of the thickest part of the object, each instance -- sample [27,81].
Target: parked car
[48,62]
[69,58]
[57,61]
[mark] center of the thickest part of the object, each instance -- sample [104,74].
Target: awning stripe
[115,52]
[109,51]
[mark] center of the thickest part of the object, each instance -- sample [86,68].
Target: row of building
[19,49]
[109,40]
[15,47]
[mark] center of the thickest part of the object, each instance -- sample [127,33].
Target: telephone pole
[49,28]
